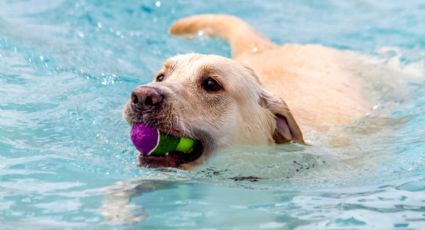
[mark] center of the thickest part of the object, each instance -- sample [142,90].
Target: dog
[267,94]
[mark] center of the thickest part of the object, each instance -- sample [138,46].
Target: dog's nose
[147,96]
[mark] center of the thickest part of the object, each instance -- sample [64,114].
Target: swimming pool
[67,67]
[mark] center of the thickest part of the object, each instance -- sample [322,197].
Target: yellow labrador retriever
[266,94]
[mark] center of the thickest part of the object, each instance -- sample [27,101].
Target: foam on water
[67,68]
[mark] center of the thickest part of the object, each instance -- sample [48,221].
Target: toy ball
[150,141]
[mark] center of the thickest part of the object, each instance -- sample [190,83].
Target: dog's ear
[287,128]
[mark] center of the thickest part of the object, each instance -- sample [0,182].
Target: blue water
[67,67]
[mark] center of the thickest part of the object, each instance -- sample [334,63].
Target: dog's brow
[209,70]
[169,66]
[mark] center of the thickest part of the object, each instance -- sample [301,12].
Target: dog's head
[214,100]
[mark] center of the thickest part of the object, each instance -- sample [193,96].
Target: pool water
[67,68]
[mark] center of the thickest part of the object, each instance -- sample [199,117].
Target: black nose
[147,96]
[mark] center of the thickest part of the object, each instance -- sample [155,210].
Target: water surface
[67,67]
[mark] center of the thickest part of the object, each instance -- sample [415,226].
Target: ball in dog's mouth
[159,149]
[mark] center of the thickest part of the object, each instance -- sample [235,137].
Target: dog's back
[317,82]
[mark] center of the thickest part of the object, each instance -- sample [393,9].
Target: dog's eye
[160,77]
[211,85]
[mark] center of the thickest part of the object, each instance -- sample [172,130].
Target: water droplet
[158,3]
[81,34]
[119,34]
[99,25]
[41,57]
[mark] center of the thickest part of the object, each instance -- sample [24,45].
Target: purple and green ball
[150,141]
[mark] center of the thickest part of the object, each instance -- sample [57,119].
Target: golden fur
[315,81]
[271,94]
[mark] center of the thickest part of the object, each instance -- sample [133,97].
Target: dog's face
[211,99]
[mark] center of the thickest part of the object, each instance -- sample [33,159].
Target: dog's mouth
[156,118]
[172,159]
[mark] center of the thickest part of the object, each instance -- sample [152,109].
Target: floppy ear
[287,128]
